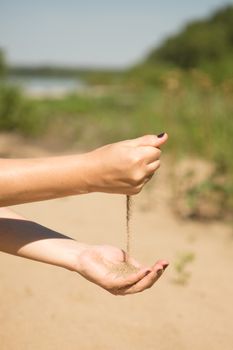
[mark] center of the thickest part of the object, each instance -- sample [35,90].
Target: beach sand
[190,308]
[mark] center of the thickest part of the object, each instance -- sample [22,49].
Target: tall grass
[197,115]
[199,120]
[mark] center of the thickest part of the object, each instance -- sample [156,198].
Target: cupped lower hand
[124,167]
[110,268]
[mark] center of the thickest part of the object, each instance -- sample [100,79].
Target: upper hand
[125,167]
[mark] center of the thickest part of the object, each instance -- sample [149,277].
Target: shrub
[17,113]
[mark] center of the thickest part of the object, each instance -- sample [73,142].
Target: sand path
[47,308]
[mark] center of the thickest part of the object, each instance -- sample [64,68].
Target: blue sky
[100,33]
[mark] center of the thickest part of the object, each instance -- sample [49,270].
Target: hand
[125,167]
[105,266]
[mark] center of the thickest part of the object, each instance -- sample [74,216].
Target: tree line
[200,42]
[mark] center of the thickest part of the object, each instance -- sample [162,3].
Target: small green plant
[212,198]
[182,275]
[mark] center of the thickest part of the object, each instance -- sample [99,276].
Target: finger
[162,262]
[161,139]
[148,178]
[150,154]
[152,167]
[125,281]
[148,281]
[150,140]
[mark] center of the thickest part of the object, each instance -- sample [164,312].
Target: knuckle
[137,189]
[135,158]
[137,179]
[150,139]
[158,152]
[156,165]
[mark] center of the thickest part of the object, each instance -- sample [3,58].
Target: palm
[110,268]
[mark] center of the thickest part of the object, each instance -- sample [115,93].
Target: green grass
[199,121]
[197,115]
[18,114]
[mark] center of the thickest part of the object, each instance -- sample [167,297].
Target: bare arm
[24,238]
[123,167]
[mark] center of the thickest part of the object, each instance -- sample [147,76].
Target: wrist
[92,171]
[74,175]
[73,253]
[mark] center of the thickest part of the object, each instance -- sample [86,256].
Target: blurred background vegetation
[183,87]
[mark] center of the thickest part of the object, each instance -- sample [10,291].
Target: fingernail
[161,135]
[165,266]
[159,272]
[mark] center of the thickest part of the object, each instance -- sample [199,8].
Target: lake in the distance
[47,86]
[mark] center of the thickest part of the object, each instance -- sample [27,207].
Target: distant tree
[224,18]
[2,63]
[201,41]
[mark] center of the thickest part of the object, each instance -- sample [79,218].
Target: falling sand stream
[125,268]
[128,215]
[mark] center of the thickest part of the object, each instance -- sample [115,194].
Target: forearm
[98,264]
[29,180]
[24,238]
[124,167]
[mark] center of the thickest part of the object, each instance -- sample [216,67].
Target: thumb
[151,140]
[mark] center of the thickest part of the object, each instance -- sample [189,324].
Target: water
[47,86]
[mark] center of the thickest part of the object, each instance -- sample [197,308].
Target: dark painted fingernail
[165,266]
[161,135]
[159,272]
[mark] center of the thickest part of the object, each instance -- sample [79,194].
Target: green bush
[2,64]
[17,113]
[201,42]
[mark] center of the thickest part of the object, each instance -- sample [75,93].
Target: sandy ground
[45,308]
